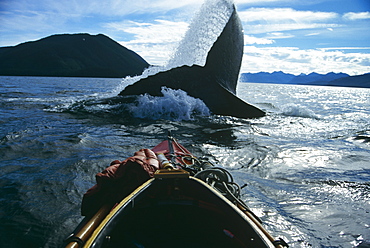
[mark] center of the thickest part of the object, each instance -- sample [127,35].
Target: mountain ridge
[329,79]
[85,55]
[71,55]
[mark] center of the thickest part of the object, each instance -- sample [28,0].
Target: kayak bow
[187,202]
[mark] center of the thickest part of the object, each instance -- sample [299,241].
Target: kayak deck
[177,212]
[186,202]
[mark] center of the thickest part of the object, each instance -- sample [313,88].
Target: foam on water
[296,110]
[174,105]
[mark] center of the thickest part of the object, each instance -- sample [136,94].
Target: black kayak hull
[177,212]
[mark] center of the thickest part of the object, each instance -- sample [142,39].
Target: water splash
[174,105]
[206,26]
[296,110]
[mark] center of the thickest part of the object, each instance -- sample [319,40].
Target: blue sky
[293,36]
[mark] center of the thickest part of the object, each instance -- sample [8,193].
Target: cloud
[312,34]
[356,16]
[160,31]
[37,19]
[241,2]
[154,54]
[285,15]
[25,20]
[155,42]
[344,48]
[264,20]
[296,61]
[279,35]
[249,40]
[106,8]
[269,28]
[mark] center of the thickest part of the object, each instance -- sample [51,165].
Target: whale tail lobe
[215,82]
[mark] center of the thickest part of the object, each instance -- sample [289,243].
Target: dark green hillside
[71,55]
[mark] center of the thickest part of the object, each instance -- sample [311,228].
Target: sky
[292,36]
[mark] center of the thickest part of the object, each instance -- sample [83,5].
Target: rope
[222,180]
[218,178]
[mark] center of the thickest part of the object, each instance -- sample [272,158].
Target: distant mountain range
[330,79]
[71,55]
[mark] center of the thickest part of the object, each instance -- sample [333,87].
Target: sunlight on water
[318,147]
[304,157]
[297,111]
[306,167]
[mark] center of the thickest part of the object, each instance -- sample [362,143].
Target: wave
[363,136]
[296,110]
[174,105]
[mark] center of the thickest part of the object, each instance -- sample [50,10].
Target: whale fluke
[214,83]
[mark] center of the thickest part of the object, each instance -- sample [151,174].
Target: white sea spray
[204,29]
[174,105]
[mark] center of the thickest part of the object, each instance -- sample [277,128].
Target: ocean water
[307,163]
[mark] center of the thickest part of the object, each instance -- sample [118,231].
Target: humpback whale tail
[213,80]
